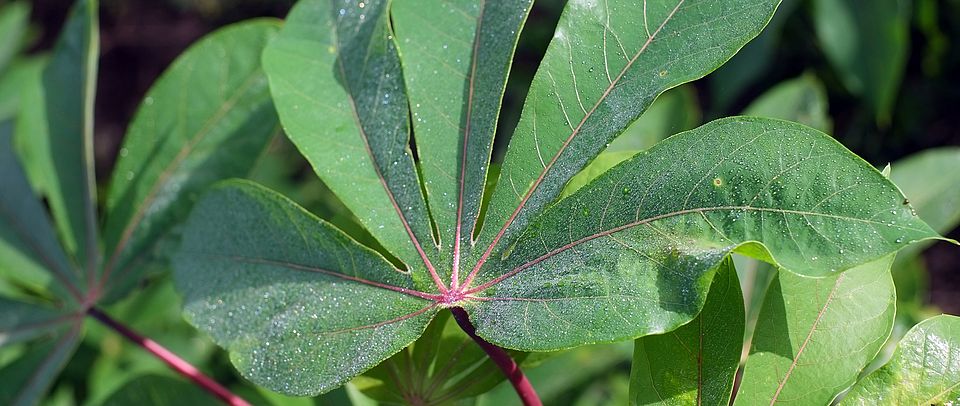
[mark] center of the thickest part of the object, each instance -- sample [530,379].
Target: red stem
[500,357]
[178,364]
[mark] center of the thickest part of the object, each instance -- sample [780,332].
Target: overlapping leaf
[925,369]
[300,306]
[336,80]
[696,363]
[815,335]
[632,253]
[207,118]
[607,62]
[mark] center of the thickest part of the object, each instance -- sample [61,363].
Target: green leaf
[29,251]
[633,252]
[456,57]
[20,73]
[866,41]
[674,111]
[54,134]
[23,321]
[335,77]
[300,306]
[933,188]
[606,64]
[14,21]
[925,368]
[696,363]
[207,118]
[159,390]
[26,380]
[815,335]
[801,99]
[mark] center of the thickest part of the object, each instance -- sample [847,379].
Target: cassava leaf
[29,251]
[802,99]
[456,56]
[20,73]
[336,80]
[925,369]
[300,306]
[815,335]
[607,62]
[54,134]
[25,381]
[159,390]
[696,363]
[207,118]
[633,252]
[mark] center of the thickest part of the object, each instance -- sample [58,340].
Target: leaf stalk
[500,357]
[175,362]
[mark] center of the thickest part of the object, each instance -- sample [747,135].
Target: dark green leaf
[633,252]
[925,369]
[55,134]
[456,56]
[606,64]
[207,118]
[22,321]
[815,335]
[300,306]
[696,363]
[336,79]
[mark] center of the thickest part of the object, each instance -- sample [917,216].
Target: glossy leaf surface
[300,306]
[696,363]
[924,370]
[207,118]
[642,240]
[815,335]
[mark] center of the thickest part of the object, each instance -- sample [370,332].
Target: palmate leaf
[815,335]
[302,308]
[696,363]
[924,370]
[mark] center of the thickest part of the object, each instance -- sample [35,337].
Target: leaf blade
[297,274]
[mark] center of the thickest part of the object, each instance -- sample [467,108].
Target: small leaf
[924,370]
[696,363]
[603,265]
[54,134]
[802,99]
[20,73]
[336,79]
[456,57]
[301,307]
[815,335]
[207,118]
[22,321]
[29,251]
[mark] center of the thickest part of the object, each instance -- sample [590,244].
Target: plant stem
[500,357]
[178,364]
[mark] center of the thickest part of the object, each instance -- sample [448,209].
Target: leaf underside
[630,254]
